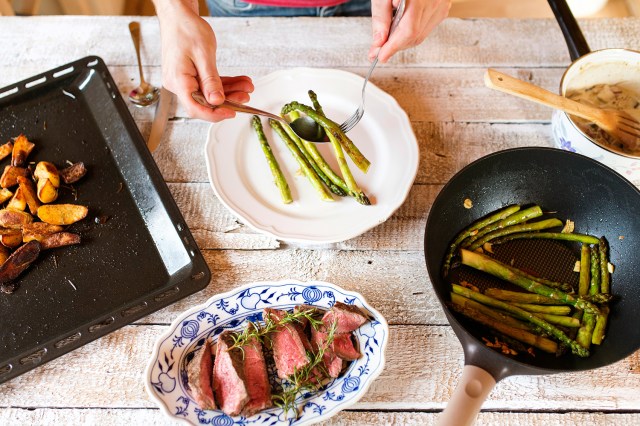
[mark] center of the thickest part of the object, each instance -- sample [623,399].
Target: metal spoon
[145,94]
[315,133]
[199,98]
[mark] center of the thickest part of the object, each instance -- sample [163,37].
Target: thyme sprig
[259,331]
[309,378]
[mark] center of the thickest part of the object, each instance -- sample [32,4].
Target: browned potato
[73,173]
[4,254]
[10,176]
[47,170]
[47,192]
[6,149]
[59,239]
[39,231]
[14,218]
[62,214]
[18,261]
[21,149]
[18,202]
[5,194]
[29,193]
[11,238]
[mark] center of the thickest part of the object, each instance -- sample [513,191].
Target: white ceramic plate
[243,182]
[166,378]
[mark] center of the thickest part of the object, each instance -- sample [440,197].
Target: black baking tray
[140,259]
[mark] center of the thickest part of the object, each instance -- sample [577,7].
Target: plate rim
[411,167]
[183,315]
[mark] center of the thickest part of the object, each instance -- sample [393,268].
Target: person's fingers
[237,84]
[239,96]
[381,12]
[207,71]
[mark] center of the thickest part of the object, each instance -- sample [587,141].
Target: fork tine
[630,122]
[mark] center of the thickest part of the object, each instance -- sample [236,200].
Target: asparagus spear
[350,187]
[281,182]
[585,269]
[507,273]
[517,217]
[544,309]
[566,236]
[554,284]
[493,313]
[529,338]
[521,227]
[601,319]
[519,297]
[521,313]
[332,129]
[472,230]
[585,333]
[563,320]
[312,162]
[304,164]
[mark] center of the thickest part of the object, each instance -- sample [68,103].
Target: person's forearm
[167,7]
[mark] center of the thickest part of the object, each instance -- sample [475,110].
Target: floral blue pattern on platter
[166,376]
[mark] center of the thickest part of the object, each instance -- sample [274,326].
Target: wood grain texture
[456,120]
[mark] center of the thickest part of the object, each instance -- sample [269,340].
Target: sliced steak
[229,386]
[289,352]
[257,380]
[305,321]
[347,317]
[332,364]
[344,348]
[200,376]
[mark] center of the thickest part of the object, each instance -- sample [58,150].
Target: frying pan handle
[472,390]
[572,35]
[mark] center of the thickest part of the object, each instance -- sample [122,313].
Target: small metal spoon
[145,94]
[199,98]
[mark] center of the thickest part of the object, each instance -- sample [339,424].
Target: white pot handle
[466,401]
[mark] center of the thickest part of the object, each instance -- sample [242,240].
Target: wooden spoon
[617,123]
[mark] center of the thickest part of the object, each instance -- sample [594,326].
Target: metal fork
[355,118]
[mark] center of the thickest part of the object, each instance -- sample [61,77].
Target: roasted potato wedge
[4,254]
[18,261]
[11,239]
[62,214]
[73,173]
[14,219]
[18,202]
[10,176]
[47,192]
[5,194]
[59,239]
[29,192]
[39,230]
[21,149]
[47,170]
[5,150]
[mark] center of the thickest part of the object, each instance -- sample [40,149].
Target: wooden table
[456,120]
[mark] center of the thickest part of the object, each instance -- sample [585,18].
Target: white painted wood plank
[52,40]
[153,417]
[424,366]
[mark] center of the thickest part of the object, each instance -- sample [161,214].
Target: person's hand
[419,19]
[189,61]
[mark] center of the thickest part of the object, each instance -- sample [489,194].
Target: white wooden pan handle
[471,392]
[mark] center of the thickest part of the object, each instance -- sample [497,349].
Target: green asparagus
[302,161]
[521,227]
[513,219]
[472,230]
[576,348]
[585,269]
[332,129]
[565,236]
[502,271]
[278,176]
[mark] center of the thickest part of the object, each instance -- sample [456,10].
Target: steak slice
[229,384]
[332,364]
[257,380]
[344,348]
[305,321]
[200,375]
[289,352]
[347,317]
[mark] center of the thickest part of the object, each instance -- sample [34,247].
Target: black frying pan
[597,199]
